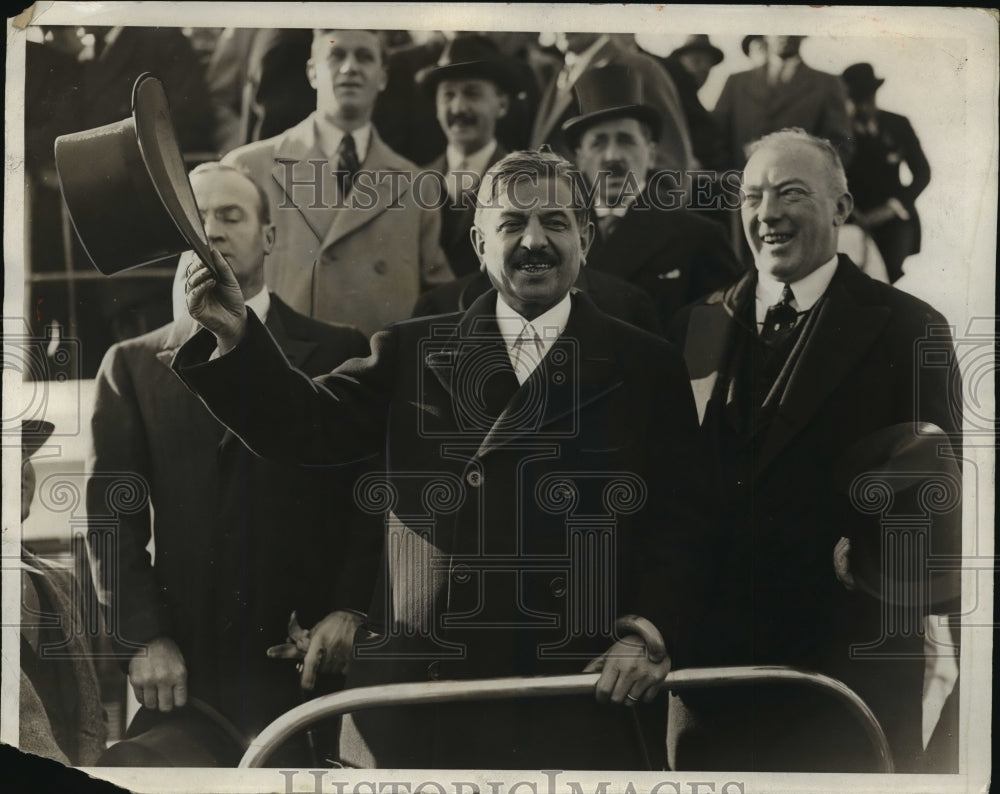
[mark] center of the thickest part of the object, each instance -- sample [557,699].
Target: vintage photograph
[452,398]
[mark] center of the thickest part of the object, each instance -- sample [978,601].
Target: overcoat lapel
[362,208]
[579,369]
[845,329]
[297,178]
[783,95]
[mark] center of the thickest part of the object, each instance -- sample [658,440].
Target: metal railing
[363,698]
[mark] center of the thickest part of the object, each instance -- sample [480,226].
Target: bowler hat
[126,187]
[698,42]
[905,481]
[609,93]
[861,80]
[34,434]
[195,735]
[469,57]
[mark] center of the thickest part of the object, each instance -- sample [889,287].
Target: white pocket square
[675,273]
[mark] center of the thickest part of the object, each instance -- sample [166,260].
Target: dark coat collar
[579,368]
[850,318]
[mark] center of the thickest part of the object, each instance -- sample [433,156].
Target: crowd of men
[586,433]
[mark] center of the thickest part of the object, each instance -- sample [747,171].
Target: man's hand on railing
[627,674]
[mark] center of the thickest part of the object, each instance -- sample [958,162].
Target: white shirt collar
[548,327]
[329,136]
[260,303]
[472,162]
[807,290]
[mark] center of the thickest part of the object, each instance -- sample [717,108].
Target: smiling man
[673,255]
[472,86]
[802,362]
[353,244]
[501,426]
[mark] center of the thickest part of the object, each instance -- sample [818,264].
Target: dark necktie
[349,164]
[780,318]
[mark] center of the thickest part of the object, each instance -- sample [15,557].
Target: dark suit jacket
[488,491]
[239,542]
[873,175]
[609,293]
[749,108]
[457,219]
[865,365]
[675,256]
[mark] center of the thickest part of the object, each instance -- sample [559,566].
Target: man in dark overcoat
[539,492]
[795,368]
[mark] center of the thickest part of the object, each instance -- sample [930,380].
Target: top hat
[126,187]
[861,80]
[195,735]
[469,57]
[905,479]
[698,42]
[34,434]
[609,93]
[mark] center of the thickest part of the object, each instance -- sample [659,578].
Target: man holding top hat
[353,244]
[228,528]
[673,254]
[507,430]
[471,87]
[829,403]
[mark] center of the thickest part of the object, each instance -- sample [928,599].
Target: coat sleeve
[676,546]
[916,161]
[118,510]
[282,415]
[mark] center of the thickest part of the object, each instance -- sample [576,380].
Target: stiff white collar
[807,290]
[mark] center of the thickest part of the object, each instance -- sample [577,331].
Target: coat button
[558,587]
[461,574]
[474,478]
[380,267]
[434,671]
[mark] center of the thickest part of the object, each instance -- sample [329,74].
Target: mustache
[523,256]
[615,168]
[461,118]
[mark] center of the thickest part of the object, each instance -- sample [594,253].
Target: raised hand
[214,298]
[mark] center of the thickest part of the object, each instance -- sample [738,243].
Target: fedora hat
[861,80]
[904,483]
[469,57]
[609,93]
[195,735]
[34,434]
[699,42]
[126,187]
